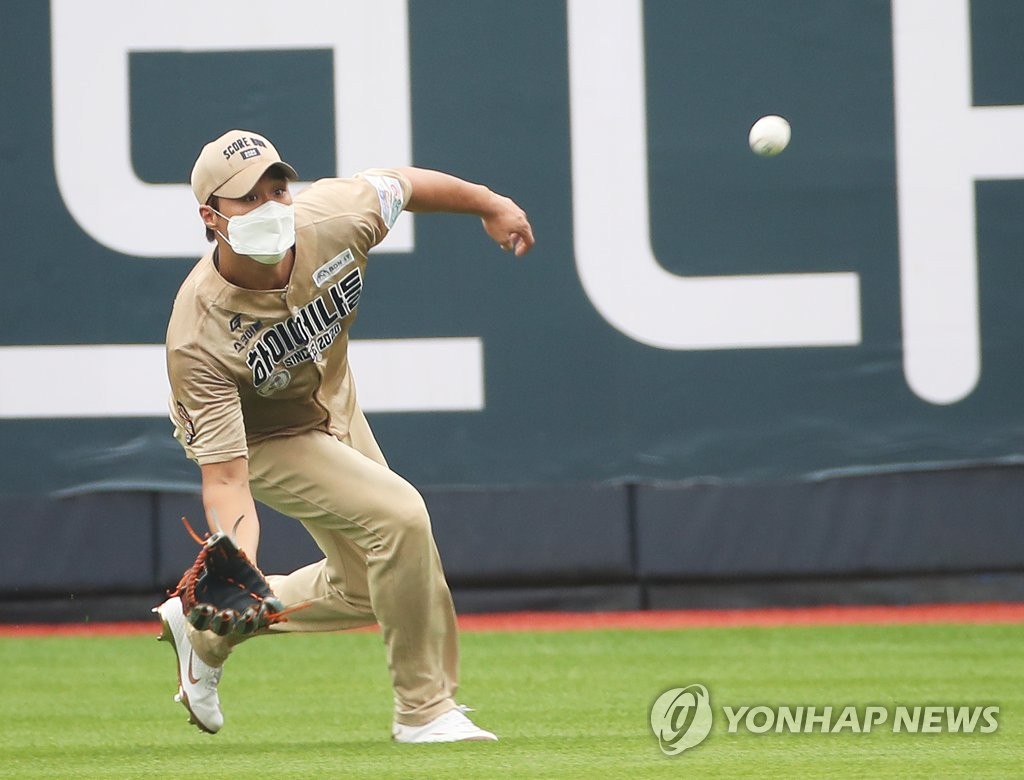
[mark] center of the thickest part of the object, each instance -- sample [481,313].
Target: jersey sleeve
[393,191]
[205,408]
[356,212]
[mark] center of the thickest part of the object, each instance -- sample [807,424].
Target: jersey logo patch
[389,193]
[333,266]
[279,380]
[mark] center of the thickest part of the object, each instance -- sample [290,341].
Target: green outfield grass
[565,705]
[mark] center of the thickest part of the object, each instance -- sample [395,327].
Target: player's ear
[209,216]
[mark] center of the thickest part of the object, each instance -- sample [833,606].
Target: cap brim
[242,182]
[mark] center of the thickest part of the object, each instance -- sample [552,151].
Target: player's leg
[336,588]
[361,438]
[352,502]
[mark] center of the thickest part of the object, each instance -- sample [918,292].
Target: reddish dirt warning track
[994,612]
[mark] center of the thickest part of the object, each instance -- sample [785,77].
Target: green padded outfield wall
[691,311]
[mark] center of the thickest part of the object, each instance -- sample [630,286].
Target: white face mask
[265,234]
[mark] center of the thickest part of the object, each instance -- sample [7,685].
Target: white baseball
[769,135]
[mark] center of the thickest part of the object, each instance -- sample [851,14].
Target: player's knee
[410,518]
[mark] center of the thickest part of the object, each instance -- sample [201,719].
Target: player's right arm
[226,498]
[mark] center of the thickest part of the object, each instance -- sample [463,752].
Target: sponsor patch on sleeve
[389,193]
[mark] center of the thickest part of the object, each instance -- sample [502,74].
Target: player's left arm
[228,501]
[505,222]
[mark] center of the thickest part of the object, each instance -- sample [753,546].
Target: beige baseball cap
[231,165]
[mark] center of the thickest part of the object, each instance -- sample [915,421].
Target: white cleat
[452,726]
[197,681]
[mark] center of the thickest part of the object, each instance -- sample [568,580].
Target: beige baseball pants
[380,566]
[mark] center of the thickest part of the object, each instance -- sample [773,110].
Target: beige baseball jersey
[247,365]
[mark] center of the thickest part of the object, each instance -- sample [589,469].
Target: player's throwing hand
[508,225]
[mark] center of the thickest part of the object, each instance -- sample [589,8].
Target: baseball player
[264,401]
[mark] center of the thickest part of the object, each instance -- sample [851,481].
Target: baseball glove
[224,592]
